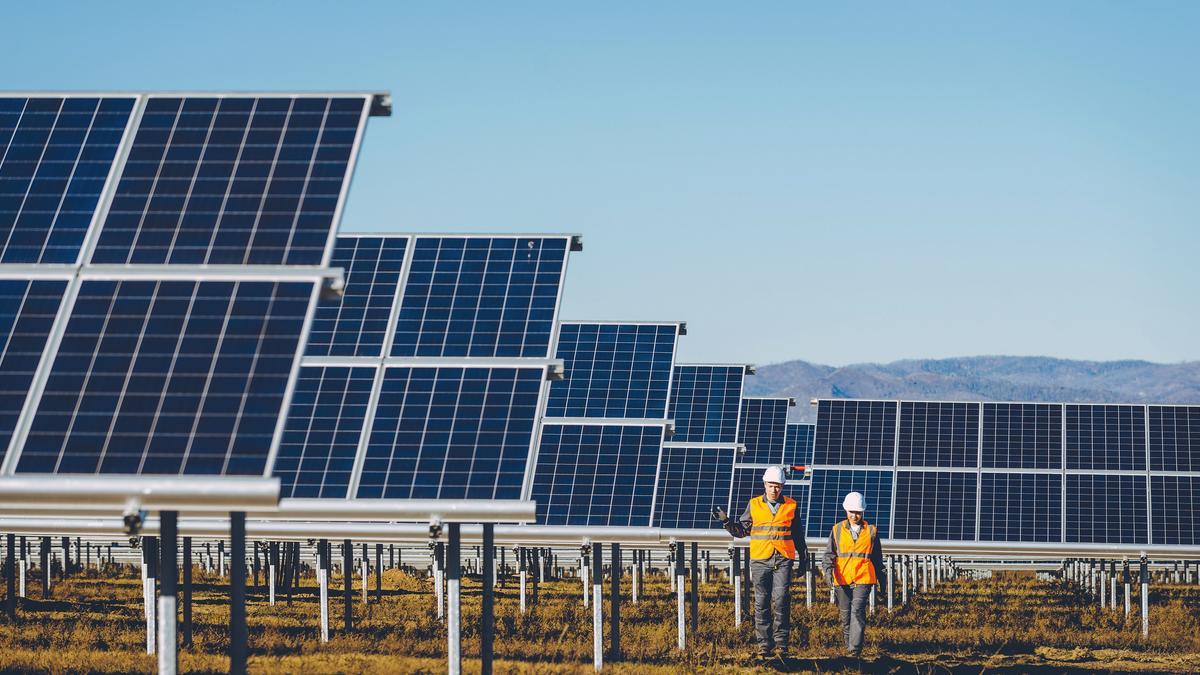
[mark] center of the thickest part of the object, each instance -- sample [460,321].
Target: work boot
[783,653]
[764,653]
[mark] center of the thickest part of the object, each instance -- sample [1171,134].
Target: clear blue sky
[840,185]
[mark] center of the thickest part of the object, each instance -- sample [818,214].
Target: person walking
[853,563]
[777,552]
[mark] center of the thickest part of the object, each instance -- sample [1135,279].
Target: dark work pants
[772,579]
[852,605]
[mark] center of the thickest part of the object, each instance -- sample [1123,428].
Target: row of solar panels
[1020,472]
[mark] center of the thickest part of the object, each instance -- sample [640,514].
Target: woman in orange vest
[776,551]
[853,563]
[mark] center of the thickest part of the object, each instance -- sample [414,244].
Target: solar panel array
[150,321]
[449,339]
[1010,472]
[605,424]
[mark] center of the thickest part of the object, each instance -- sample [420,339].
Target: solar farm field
[1011,622]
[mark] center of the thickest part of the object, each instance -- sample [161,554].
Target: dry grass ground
[1007,624]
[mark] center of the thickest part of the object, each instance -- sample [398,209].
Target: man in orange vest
[853,562]
[776,551]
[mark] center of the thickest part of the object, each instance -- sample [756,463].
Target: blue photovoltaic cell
[763,430]
[829,488]
[798,446]
[451,433]
[747,484]
[355,323]
[1022,436]
[614,370]
[1106,508]
[705,403]
[935,505]
[27,311]
[236,180]
[691,481]
[1178,498]
[324,424]
[855,433]
[169,377]
[1020,507]
[938,434]
[1111,437]
[1174,438]
[55,155]
[596,474]
[481,296]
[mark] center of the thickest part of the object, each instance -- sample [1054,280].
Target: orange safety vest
[854,556]
[770,532]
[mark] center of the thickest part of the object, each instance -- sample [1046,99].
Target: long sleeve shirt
[741,528]
[829,557]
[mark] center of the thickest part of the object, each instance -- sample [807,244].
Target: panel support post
[45,551]
[10,573]
[809,578]
[890,583]
[520,553]
[323,565]
[168,657]
[378,573]
[238,638]
[453,607]
[614,614]
[1145,577]
[487,619]
[1128,582]
[347,585]
[678,576]
[746,585]
[695,588]
[187,593]
[735,560]
[597,607]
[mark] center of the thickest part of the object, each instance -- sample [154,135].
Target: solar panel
[1178,498]
[855,433]
[451,433]
[829,488]
[481,297]
[596,474]
[1174,438]
[55,155]
[935,505]
[706,403]
[168,377]
[763,429]
[798,445]
[324,426]
[27,312]
[233,180]
[355,323]
[938,434]
[1106,508]
[1022,436]
[620,371]
[1020,507]
[1106,437]
[691,481]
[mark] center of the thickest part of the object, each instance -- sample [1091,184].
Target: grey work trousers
[772,579]
[852,605]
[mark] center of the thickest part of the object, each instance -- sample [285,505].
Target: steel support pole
[1128,583]
[168,656]
[487,618]
[809,580]
[735,561]
[678,576]
[890,582]
[746,585]
[378,573]
[597,609]
[453,606]
[1145,577]
[695,588]
[521,556]
[238,637]
[323,565]
[347,585]
[45,553]
[614,609]
[186,641]
[10,574]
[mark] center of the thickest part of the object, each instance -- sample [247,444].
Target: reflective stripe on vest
[854,555]
[771,532]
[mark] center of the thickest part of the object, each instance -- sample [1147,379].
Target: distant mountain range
[980,378]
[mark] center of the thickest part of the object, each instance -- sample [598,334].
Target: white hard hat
[854,502]
[774,474]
